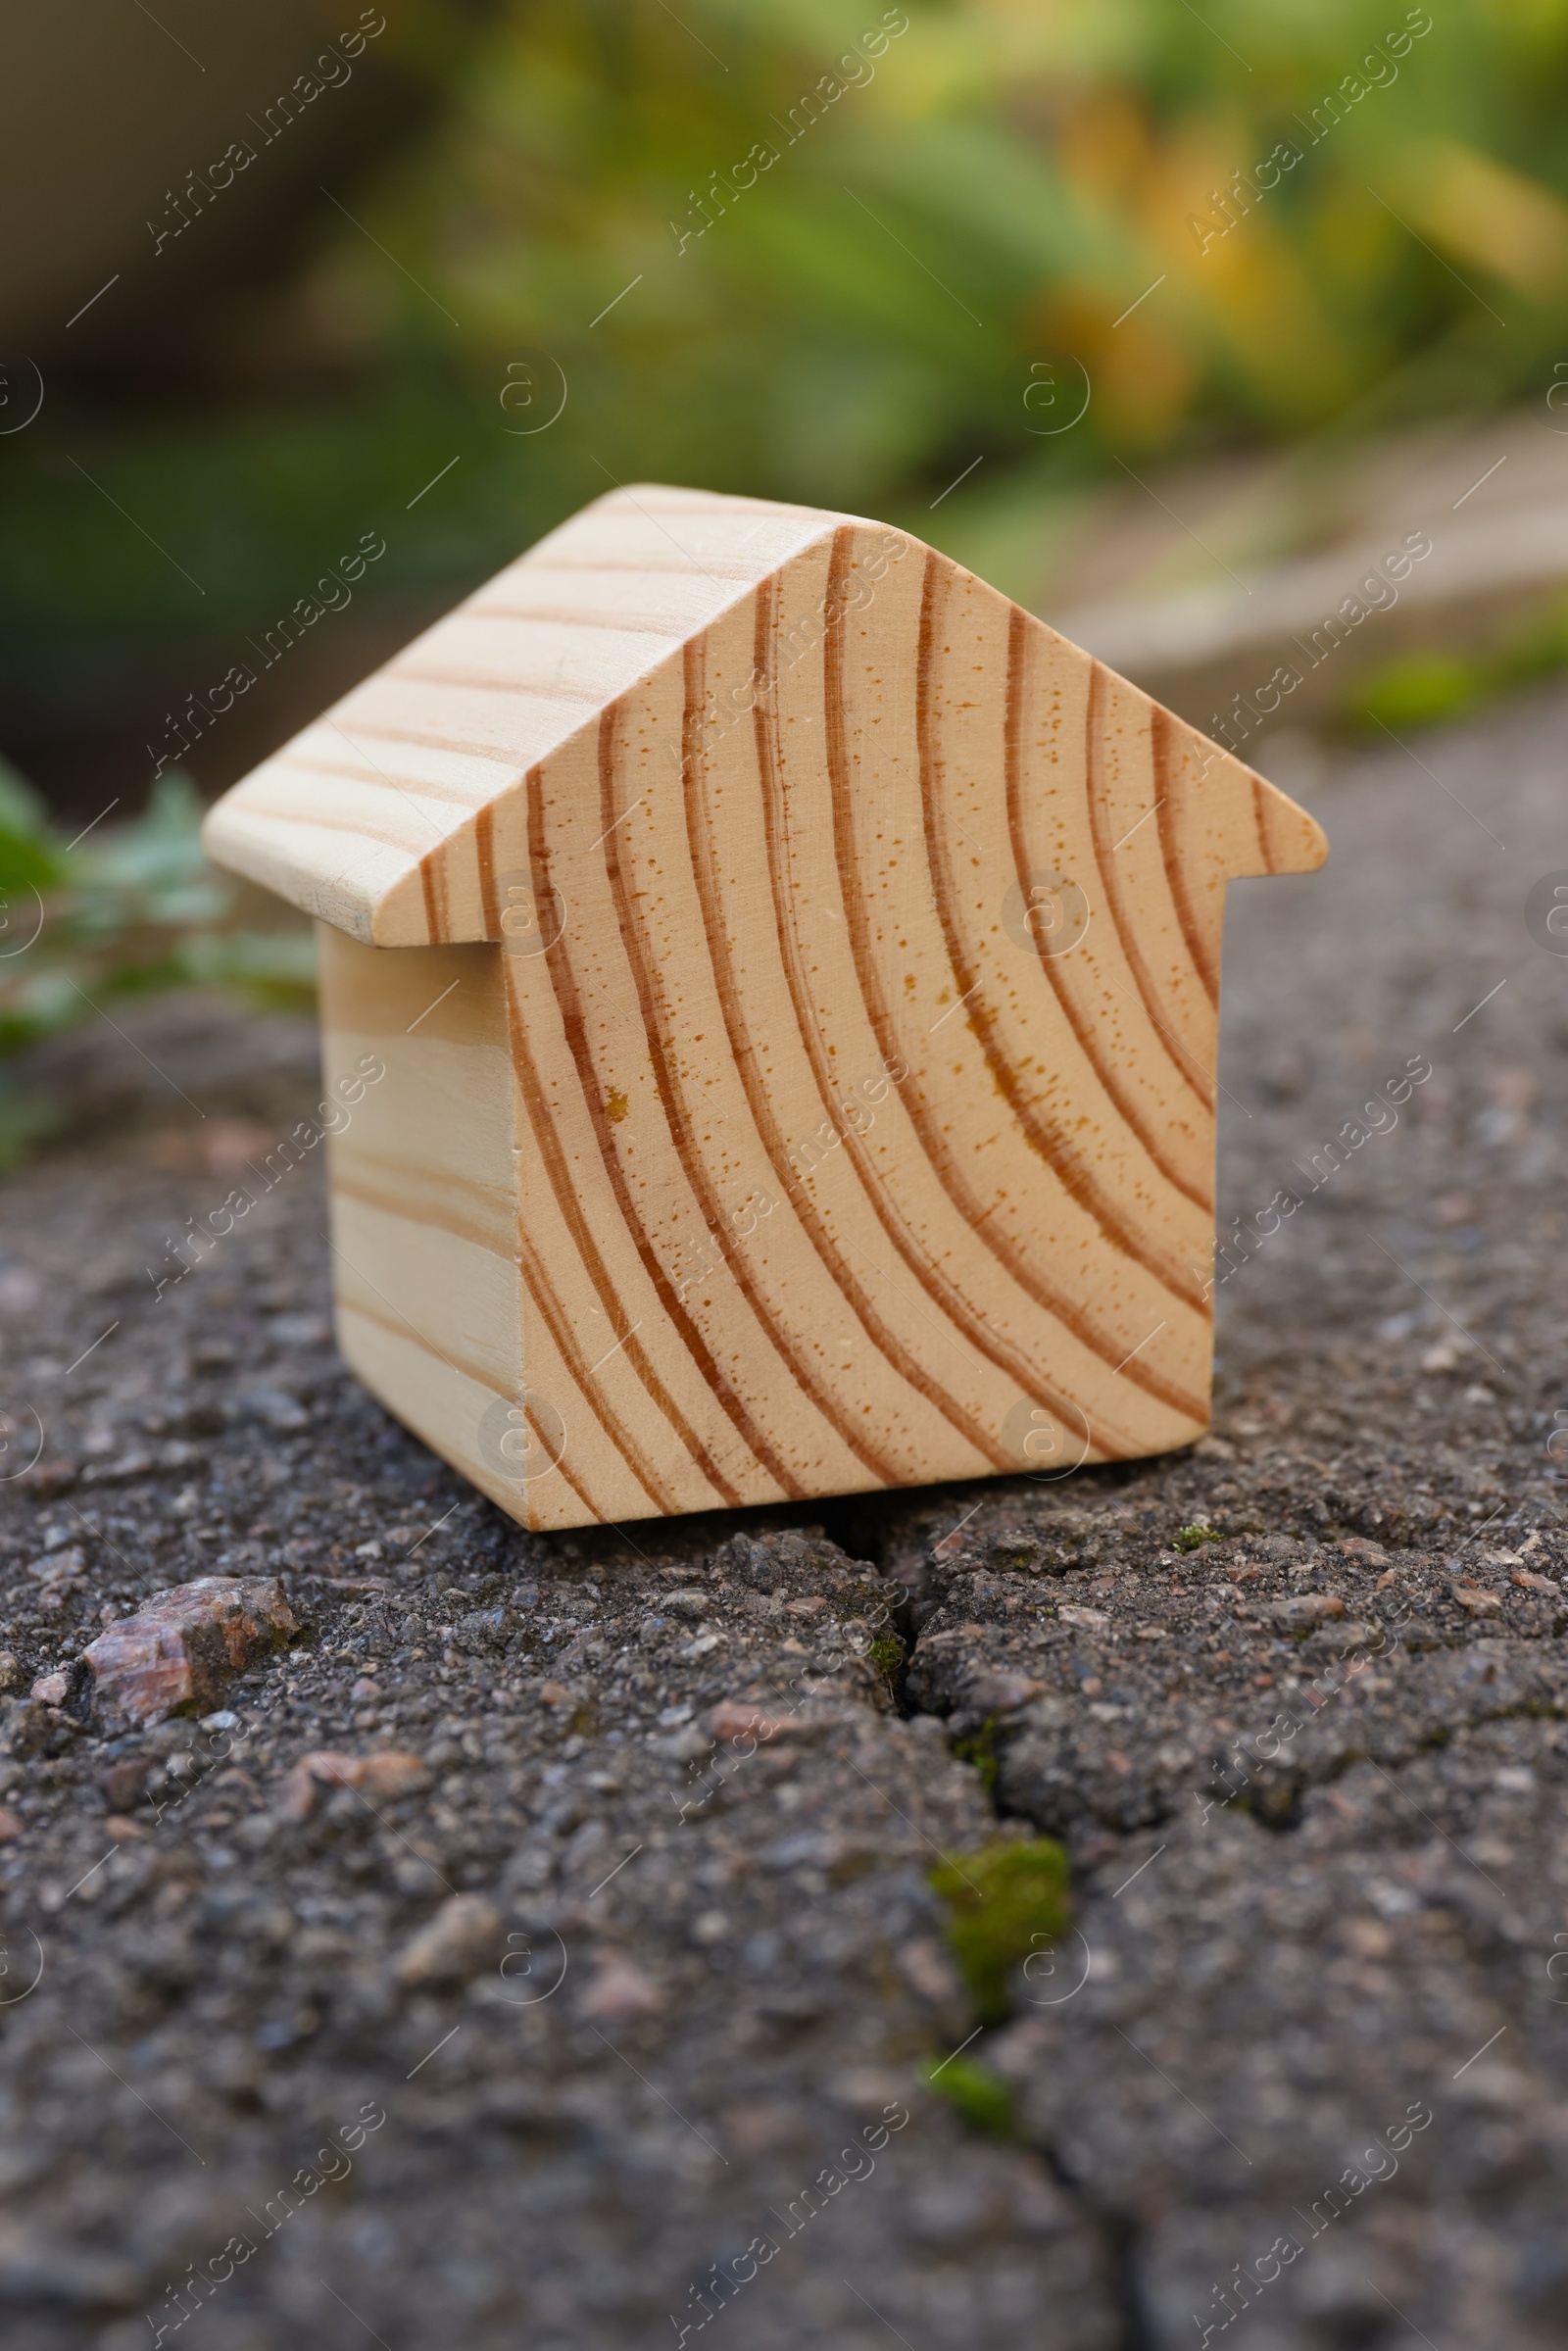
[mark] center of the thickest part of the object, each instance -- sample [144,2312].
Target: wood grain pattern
[821,1097]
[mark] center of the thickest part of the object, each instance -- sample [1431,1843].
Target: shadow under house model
[796,972]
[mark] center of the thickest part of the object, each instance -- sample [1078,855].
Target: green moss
[1005,1901]
[886,1654]
[979,1747]
[1014,1553]
[981,2096]
[1187,1539]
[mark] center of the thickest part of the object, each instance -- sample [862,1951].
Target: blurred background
[1182,326]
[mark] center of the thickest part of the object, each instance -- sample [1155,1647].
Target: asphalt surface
[586,2028]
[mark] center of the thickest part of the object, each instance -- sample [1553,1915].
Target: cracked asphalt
[607,2020]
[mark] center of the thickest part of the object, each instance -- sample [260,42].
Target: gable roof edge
[350,819]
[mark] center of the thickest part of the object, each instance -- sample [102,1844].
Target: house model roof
[380,817]
[391,815]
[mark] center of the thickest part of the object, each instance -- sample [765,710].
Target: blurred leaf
[27,864]
[133,915]
[22,811]
[1494,218]
[29,861]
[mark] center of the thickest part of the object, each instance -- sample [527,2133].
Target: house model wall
[796,972]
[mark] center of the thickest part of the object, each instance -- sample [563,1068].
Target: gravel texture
[451,1982]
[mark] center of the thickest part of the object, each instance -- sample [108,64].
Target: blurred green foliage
[957,219]
[1422,689]
[128,914]
[1000,184]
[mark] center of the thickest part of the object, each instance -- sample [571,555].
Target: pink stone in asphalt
[619,1992]
[738,1718]
[179,1652]
[383,1775]
[461,1940]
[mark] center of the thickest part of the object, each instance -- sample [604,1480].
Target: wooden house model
[795,973]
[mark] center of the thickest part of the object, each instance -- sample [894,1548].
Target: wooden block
[796,973]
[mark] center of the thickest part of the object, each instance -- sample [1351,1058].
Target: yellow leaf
[1483,211]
